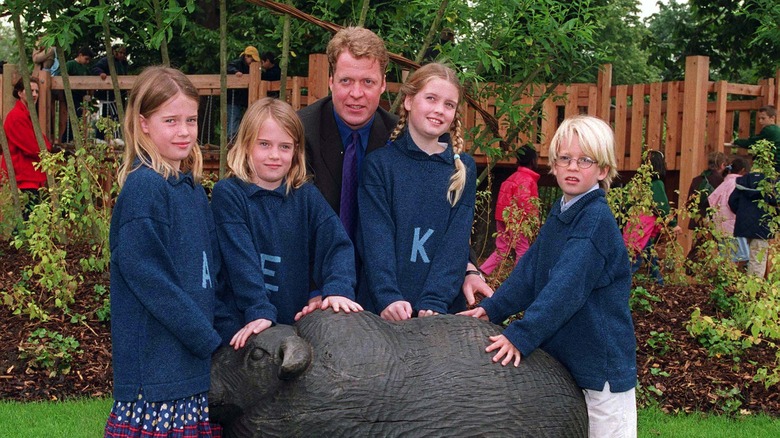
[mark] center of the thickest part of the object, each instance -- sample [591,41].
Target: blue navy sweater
[163,275]
[573,284]
[268,242]
[413,243]
[752,221]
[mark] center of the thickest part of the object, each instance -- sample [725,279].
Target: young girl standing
[416,200]
[574,282]
[163,263]
[278,233]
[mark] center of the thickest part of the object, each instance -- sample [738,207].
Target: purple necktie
[349,180]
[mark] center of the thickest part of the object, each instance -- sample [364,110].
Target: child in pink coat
[519,188]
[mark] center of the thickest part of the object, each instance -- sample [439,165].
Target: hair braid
[458,178]
[400,125]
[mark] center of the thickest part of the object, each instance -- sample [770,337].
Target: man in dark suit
[358,60]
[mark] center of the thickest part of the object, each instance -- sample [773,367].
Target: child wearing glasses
[574,282]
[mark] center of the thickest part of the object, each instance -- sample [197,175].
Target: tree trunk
[72,116]
[285,58]
[17,211]
[120,108]
[166,60]
[222,87]
[28,91]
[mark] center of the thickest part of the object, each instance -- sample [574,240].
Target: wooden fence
[684,119]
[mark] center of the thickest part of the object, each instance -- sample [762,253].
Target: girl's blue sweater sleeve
[240,258]
[334,254]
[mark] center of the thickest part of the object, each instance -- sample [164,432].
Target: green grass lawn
[86,418]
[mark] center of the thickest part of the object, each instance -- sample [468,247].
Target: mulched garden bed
[684,379]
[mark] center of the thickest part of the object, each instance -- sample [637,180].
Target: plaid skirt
[184,418]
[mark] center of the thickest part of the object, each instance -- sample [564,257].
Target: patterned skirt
[184,418]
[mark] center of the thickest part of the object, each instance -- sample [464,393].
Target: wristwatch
[475,272]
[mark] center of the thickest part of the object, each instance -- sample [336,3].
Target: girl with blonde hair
[277,233]
[416,199]
[163,267]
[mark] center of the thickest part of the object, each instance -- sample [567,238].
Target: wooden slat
[673,122]
[637,125]
[721,97]
[621,125]
[653,128]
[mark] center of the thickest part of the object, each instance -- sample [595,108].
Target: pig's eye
[258,354]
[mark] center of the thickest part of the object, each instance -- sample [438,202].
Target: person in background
[107,99]
[79,66]
[164,267]
[43,57]
[766,118]
[752,218]
[271,224]
[238,99]
[640,237]
[358,60]
[701,187]
[271,71]
[518,190]
[735,248]
[23,146]
[574,283]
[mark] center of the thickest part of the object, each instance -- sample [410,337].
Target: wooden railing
[684,119]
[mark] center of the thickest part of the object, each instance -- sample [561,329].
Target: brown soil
[686,377]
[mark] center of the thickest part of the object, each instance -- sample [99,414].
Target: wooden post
[318,77]
[720,116]
[44,102]
[254,83]
[777,89]
[605,91]
[694,120]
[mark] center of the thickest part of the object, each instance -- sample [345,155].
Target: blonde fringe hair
[411,87]
[596,140]
[361,43]
[239,157]
[152,89]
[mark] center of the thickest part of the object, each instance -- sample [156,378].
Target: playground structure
[683,119]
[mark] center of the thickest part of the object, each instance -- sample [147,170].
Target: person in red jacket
[23,145]
[518,189]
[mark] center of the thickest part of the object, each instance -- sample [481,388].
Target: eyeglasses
[582,162]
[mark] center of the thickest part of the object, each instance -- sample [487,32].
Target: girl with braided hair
[416,199]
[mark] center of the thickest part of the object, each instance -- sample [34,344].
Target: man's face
[356,85]
[265,64]
[83,59]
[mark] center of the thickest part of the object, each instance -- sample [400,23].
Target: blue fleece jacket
[269,240]
[163,275]
[573,284]
[752,221]
[414,244]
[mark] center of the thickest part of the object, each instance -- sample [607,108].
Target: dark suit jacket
[325,150]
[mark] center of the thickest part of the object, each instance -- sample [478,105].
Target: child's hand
[252,328]
[337,303]
[423,313]
[397,311]
[505,348]
[477,312]
[314,304]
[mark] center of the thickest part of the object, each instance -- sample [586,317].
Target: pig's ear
[296,356]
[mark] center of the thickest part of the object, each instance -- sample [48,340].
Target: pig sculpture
[356,375]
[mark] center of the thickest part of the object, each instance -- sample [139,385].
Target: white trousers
[611,414]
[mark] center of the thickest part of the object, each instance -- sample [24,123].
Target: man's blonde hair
[239,158]
[361,43]
[596,141]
